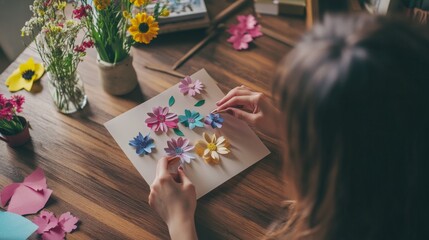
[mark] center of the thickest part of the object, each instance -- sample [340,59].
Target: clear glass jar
[68,94]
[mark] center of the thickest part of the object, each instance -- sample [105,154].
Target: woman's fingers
[244,101]
[243,115]
[183,177]
[161,167]
[238,91]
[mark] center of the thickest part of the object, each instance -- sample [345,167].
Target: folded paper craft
[27,197]
[245,146]
[53,228]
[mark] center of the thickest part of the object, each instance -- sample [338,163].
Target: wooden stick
[225,14]
[164,69]
[197,47]
[278,37]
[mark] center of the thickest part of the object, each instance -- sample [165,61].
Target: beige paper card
[246,147]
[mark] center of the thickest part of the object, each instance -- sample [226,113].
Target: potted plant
[13,128]
[60,51]
[108,24]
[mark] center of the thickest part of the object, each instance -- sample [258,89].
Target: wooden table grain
[90,175]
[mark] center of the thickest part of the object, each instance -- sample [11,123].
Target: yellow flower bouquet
[113,29]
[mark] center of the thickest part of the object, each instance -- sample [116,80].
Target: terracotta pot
[20,138]
[119,78]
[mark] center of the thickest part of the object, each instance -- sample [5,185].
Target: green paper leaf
[171,101]
[200,103]
[178,132]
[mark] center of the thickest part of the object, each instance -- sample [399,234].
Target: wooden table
[90,175]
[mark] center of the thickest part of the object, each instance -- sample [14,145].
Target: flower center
[191,85]
[143,27]
[161,118]
[191,120]
[28,74]
[211,146]
[178,151]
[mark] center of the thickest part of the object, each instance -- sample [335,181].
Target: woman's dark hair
[355,93]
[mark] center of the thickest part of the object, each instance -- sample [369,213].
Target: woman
[354,99]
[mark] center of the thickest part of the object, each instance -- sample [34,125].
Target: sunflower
[212,147]
[101,4]
[143,28]
[139,3]
[24,76]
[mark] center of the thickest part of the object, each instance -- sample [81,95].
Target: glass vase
[68,94]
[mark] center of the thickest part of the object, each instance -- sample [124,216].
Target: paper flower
[55,229]
[244,32]
[161,119]
[25,76]
[27,197]
[142,144]
[212,147]
[143,28]
[214,120]
[191,119]
[179,148]
[187,86]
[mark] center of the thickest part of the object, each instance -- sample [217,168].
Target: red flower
[79,49]
[17,101]
[81,11]
[88,44]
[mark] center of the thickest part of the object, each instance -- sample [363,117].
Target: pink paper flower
[187,86]
[244,32]
[161,119]
[179,148]
[52,228]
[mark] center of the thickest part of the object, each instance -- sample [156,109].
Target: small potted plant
[13,128]
[112,28]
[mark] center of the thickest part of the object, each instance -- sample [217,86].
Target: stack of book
[280,7]
[184,15]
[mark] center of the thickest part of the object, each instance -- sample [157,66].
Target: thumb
[243,115]
[183,177]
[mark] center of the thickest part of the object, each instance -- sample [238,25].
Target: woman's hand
[175,201]
[254,108]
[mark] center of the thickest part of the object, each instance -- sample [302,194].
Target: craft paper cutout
[191,119]
[171,101]
[187,86]
[244,32]
[55,229]
[246,148]
[179,148]
[142,144]
[24,77]
[27,197]
[160,119]
[214,120]
[200,103]
[212,147]
[14,226]
[178,132]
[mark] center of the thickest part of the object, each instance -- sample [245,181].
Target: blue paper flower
[142,144]
[214,120]
[191,119]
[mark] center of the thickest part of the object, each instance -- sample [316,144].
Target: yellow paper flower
[211,147]
[165,12]
[101,4]
[139,3]
[24,76]
[143,28]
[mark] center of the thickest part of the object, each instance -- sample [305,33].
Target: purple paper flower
[191,119]
[142,144]
[214,120]
[161,119]
[179,148]
[187,86]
